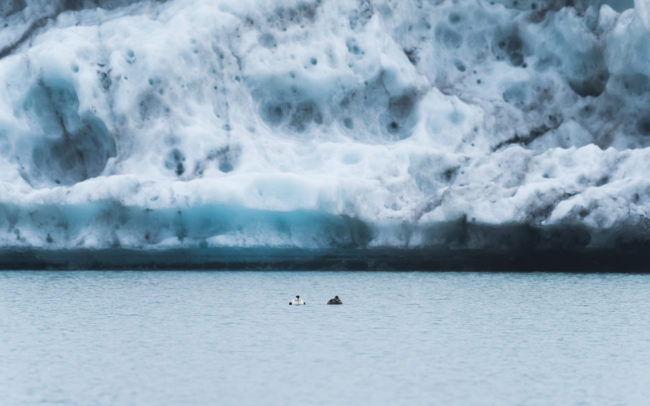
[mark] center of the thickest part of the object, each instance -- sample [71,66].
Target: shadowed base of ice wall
[374,259]
[107,235]
[109,225]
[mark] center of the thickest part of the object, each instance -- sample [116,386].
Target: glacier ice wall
[324,123]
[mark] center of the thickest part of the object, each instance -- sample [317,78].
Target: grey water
[224,338]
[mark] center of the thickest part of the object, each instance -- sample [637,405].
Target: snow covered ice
[324,123]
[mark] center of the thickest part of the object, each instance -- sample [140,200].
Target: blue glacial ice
[323,124]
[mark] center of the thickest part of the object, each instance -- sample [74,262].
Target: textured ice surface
[323,123]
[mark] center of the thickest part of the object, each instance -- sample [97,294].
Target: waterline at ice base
[359,134]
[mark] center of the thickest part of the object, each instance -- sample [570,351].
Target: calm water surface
[226,338]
